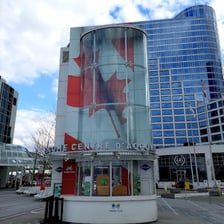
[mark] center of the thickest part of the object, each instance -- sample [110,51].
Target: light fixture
[117,155]
[93,155]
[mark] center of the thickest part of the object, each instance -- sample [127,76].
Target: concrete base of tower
[110,210]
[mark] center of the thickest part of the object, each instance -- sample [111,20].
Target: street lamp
[203,88]
[195,158]
[209,145]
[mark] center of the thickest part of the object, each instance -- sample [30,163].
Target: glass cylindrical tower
[114,89]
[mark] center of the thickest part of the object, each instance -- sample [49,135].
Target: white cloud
[27,123]
[41,95]
[54,86]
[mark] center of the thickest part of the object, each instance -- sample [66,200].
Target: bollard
[62,207]
[56,216]
[51,215]
[48,209]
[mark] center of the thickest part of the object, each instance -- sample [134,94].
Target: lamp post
[208,131]
[195,157]
[192,172]
[210,146]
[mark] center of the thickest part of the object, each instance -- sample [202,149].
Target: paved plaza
[194,208]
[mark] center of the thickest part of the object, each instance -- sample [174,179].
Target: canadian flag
[99,95]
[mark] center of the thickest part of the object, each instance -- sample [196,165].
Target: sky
[32,33]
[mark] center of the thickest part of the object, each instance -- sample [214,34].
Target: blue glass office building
[184,60]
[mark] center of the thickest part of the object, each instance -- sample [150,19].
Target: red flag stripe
[73,91]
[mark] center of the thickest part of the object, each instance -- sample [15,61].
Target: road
[21,209]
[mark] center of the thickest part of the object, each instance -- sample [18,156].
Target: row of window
[180,30]
[186,61]
[156,123]
[161,52]
[179,26]
[171,98]
[177,133]
[189,132]
[165,81]
[168,105]
[182,43]
[195,65]
[164,27]
[213,121]
[21,162]
[168,137]
[165,141]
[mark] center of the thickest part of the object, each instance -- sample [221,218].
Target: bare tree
[42,139]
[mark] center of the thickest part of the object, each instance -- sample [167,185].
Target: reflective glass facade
[183,53]
[170,164]
[211,115]
[114,90]
[8,106]
[15,155]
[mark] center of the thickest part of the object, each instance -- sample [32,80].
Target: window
[65,56]
[14,101]
[114,178]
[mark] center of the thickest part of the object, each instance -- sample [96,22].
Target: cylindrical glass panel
[114,90]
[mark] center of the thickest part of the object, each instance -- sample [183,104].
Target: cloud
[54,86]
[24,130]
[41,95]
[27,124]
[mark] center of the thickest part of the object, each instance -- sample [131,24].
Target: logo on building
[115,207]
[145,167]
[179,160]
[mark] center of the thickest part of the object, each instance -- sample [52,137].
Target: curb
[188,195]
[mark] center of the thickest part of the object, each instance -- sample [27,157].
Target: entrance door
[181,177]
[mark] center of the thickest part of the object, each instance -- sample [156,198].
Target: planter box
[202,190]
[215,193]
[103,190]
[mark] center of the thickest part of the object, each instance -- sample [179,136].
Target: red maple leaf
[108,95]
[116,95]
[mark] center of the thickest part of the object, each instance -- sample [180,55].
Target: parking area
[195,210]
[23,209]
[20,208]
